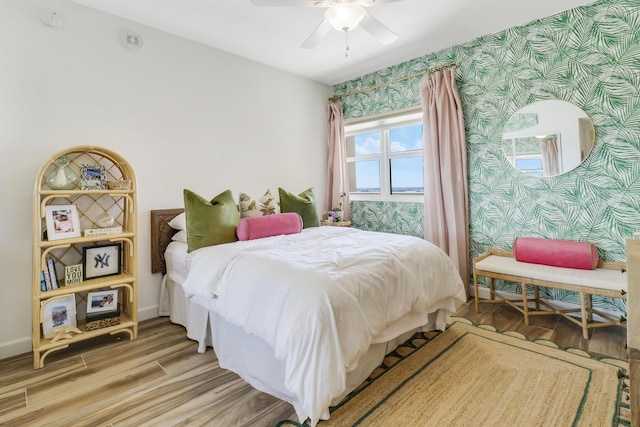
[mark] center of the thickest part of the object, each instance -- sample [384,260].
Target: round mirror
[548,138]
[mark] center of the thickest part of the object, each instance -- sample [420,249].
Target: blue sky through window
[368,176]
[367,143]
[406,173]
[405,138]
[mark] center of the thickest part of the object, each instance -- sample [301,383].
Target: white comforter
[321,297]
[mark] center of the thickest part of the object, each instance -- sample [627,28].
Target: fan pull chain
[346,43]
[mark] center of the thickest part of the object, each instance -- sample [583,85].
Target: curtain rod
[430,70]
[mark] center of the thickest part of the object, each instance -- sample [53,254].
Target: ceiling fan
[343,15]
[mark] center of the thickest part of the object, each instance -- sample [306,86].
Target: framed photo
[72,274]
[102,301]
[93,177]
[58,314]
[62,221]
[100,261]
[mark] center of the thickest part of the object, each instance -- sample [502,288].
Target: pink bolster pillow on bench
[258,227]
[559,253]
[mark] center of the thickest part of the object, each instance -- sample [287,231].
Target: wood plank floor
[161,380]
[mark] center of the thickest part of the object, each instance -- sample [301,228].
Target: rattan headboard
[161,234]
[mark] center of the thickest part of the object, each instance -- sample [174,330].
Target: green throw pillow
[210,222]
[303,204]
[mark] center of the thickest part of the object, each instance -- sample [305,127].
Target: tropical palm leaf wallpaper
[589,56]
[391,217]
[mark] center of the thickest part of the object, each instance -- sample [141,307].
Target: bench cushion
[600,278]
[560,253]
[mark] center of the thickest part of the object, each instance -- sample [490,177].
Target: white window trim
[406,117]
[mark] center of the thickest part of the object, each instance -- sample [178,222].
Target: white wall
[184,115]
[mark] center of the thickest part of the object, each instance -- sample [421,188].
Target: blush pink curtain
[337,177]
[446,207]
[550,160]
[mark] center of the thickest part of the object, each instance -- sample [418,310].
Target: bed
[304,317]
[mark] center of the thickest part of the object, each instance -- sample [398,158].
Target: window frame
[382,124]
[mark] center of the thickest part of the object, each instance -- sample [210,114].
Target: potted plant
[339,214]
[336,214]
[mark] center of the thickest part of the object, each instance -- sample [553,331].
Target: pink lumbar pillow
[269,225]
[559,253]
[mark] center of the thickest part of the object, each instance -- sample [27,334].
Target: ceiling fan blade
[368,3]
[317,35]
[377,29]
[291,3]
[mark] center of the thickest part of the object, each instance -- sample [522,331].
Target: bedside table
[336,224]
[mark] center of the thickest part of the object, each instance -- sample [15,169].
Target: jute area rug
[477,376]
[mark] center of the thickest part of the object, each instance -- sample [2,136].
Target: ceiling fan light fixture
[344,16]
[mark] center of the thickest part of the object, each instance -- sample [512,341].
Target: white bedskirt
[251,357]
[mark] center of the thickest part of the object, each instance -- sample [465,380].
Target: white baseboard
[23,345]
[16,347]
[147,313]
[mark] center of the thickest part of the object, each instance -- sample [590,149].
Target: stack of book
[48,278]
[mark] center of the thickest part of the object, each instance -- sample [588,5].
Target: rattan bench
[608,279]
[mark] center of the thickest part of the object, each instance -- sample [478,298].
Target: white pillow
[179,222]
[180,236]
[265,205]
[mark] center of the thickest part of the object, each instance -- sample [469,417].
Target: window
[525,154]
[532,166]
[384,158]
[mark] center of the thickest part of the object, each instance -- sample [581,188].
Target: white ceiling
[273,35]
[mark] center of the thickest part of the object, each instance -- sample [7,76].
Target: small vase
[62,177]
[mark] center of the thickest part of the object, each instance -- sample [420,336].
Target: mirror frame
[548,138]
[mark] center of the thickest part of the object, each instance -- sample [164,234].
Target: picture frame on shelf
[102,302]
[62,222]
[58,314]
[93,177]
[72,274]
[101,261]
